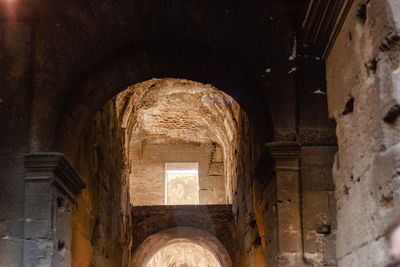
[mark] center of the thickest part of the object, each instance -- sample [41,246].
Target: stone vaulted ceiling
[174,110]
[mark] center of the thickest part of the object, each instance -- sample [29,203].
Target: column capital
[280,150]
[51,185]
[285,154]
[53,168]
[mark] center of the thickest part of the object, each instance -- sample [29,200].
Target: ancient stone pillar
[287,209]
[318,205]
[50,187]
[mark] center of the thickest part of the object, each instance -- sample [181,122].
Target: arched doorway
[74,65]
[180,134]
[187,237]
[183,253]
[131,153]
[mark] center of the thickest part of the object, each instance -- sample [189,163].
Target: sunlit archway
[182,246]
[183,254]
[177,121]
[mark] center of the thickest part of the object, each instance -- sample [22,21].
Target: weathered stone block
[218,155]
[11,250]
[50,187]
[310,242]
[216,169]
[373,253]
[206,196]
[394,8]
[40,204]
[317,156]
[329,249]
[219,196]
[37,229]
[317,179]
[215,182]
[316,210]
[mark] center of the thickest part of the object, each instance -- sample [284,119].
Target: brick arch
[139,63]
[170,236]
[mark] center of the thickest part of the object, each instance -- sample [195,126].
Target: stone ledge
[53,168]
[215,210]
[285,154]
[283,150]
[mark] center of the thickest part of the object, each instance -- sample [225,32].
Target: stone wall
[223,118]
[362,80]
[298,209]
[270,221]
[318,205]
[248,249]
[63,61]
[100,226]
[162,240]
[214,219]
[147,178]
[15,97]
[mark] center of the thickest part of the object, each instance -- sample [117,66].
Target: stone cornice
[322,23]
[285,154]
[283,150]
[53,168]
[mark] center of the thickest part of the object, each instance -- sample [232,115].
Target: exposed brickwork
[215,219]
[100,225]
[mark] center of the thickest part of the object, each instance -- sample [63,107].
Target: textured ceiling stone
[177,111]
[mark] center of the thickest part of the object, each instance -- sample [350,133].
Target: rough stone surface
[101,219]
[318,205]
[15,54]
[214,219]
[51,185]
[365,57]
[299,211]
[63,62]
[181,112]
[147,178]
[285,187]
[162,240]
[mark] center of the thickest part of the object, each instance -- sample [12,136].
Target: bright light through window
[181,183]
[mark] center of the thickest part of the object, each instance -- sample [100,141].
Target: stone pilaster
[287,187]
[50,187]
[319,206]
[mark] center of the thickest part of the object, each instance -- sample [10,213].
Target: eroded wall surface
[214,219]
[100,225]
[15,40]
[363,85]
[318,205]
